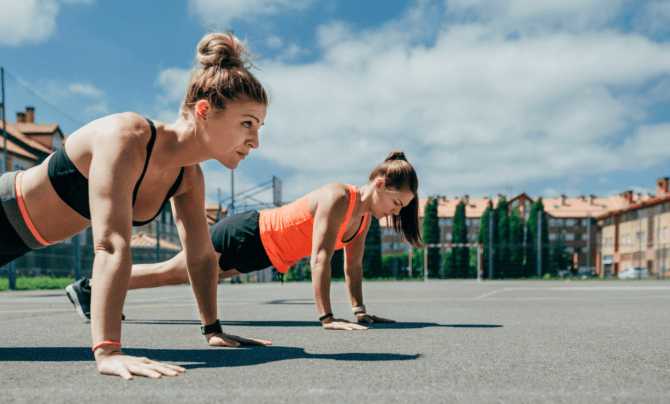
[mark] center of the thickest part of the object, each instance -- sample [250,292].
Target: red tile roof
[211,210]
[14,131]
[13,148]
[144,240]
[37,128]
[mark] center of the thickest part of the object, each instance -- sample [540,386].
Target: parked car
[631,272]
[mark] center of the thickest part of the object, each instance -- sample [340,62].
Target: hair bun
[396,155]
[221,50]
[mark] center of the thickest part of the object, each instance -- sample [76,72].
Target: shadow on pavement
[390,326]
[197,358]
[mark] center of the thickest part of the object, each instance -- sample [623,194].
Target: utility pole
[639,254]
[158,236]
[539,244]
[5,165]
[492,212]
[588,241]
[395,259]
[11,267]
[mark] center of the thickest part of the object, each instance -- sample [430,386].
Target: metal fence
[73,257]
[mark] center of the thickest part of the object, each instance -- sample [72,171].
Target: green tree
[461,254]
[559,256]
[431,235]
[515,268]
[502,237]
[484,238]
[372,257]
[531,256]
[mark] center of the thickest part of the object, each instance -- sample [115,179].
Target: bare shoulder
[125,127]
[331,196]
[193,180]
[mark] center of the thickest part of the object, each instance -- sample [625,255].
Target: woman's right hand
[339,324]
[112,361]
[223,339]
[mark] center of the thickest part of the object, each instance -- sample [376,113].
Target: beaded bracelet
[105,343]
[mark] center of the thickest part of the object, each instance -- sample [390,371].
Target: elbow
[111,246]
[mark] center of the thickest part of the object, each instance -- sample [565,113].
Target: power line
[43,100]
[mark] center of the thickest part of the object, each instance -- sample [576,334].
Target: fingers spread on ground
[142,371]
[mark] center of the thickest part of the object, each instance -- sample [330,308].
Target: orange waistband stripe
[24,212]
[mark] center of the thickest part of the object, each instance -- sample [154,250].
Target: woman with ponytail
[332,217]
[119,171]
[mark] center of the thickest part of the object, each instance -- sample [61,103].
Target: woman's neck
[182,146]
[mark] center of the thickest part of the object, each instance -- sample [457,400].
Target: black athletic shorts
[238,239]
[11,244]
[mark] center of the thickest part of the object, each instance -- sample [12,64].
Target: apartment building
[28,143]
[636,233]
[574,220]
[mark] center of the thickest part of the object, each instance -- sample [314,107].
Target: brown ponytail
[225,74]
[399,174]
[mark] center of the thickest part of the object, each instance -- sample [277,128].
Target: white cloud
[85,89]
[274,42]
[473,111]
[96,111]
[537,16]
[27,21]
[653,18]
[174,83]
[223,12]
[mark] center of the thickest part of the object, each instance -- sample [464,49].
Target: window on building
[552,222]
[475,222]
[449,236]
[570,222]
[628,239]
[467,222]
[585,237]
[444,221]
[20,164]
[665,232]
[569,237]
[553,236]
[585,223]
[559,222]
[570,250]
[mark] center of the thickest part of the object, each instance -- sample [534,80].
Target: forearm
[111,271]
[203,275]
[321,285]
[354,277]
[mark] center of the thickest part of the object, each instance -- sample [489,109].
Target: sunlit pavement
[455,341]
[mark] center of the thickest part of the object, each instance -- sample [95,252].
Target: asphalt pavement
[454,341]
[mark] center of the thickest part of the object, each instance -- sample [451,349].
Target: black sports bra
[72,186]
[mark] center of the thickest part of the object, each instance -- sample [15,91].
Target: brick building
[28,143]
[635,233]
[572,218]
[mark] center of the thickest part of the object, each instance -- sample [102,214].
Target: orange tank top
[286,232]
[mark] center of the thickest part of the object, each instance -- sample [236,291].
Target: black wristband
[215,327]
[326,316]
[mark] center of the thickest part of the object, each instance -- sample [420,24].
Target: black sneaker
[79,294]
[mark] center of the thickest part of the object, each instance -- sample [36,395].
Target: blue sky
[486,97]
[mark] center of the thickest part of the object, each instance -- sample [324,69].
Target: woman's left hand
[223,339]
[369,318]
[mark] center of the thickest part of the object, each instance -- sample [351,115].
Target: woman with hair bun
[332,217]
[119,171]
